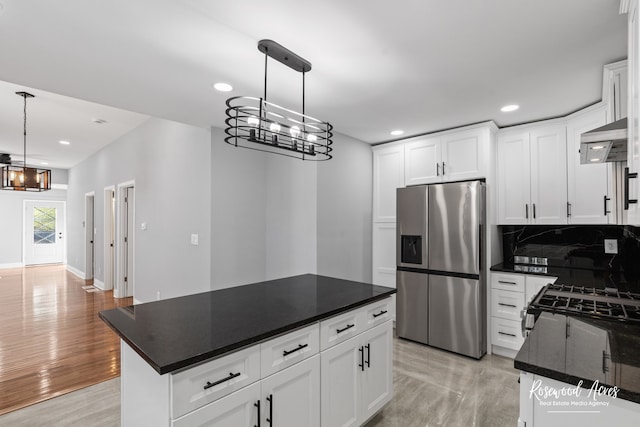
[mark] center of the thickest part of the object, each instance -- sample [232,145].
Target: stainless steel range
[608,303]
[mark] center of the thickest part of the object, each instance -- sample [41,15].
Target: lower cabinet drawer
[240,408]
[507,304]
[203,384]
[376,313]
[340,328]
[506,333]
[289,349]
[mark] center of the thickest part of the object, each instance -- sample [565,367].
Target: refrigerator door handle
[479,247]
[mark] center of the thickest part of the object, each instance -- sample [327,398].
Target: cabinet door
[463,155]
[422,161]
[513,178]
[384,254]
[291,397]
[549,175]
[340,379]
[589,192]
[388,175]
[377,377]
[633,144]
[237,409]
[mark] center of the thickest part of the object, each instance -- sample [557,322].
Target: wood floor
[51,339]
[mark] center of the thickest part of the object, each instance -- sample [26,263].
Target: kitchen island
[253,353]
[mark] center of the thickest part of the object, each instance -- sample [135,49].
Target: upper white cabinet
[532,175]
[448,156]
[615,90]
[633,144]
[589,186]
[388,175]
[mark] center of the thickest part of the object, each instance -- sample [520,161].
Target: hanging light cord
[24,165]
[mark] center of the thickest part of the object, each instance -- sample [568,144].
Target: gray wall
[170,164]
[274,216]
[345,203]
[11,217]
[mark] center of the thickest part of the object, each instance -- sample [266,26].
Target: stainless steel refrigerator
[441,281]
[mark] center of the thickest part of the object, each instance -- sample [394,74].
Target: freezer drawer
[412,305]
[456,315]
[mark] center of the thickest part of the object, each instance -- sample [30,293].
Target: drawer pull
[361,364]
[507,283]
[379,314]
[504,333]
[368,362]
[230,377]
[300,347]
[345,328]
[507,305]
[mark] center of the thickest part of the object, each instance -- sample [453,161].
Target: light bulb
[312,138]
[21,176]
[597,147]
[253,121]
[294,131]
[274,127]
[12,175]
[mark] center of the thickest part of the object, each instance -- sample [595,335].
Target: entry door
[44,239]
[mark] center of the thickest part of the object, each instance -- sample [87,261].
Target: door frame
[109,237]
[120,290]
[89,235]
[24,228]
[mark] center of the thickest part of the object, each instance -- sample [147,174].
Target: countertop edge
[205,357]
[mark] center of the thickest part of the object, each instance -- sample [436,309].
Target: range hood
[605,144]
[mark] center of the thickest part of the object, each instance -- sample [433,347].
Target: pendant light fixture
[24,178]
[260,125]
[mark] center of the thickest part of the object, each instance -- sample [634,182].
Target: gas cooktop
[608,303]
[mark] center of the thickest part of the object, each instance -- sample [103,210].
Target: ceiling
[416,65]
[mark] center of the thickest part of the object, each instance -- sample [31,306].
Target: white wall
[11,217]
[345,200]
[274,216]
[170,164]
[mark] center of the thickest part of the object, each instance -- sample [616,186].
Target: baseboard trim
[76,272]
[11,265]
[98,284]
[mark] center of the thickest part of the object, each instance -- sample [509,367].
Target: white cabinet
[590,188]
[388,175]
[358,374]
[633,144]
[238,409]
[615,90]
[448,156]
[532,176]
[291,396]
[510,296]
[384,254]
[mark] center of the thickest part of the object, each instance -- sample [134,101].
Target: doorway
[44,232]
[109,237]
[126,240]
[89,236]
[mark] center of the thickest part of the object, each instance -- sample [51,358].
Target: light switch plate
[194,239]
[610,246]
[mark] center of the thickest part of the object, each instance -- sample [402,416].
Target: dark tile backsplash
[575,246]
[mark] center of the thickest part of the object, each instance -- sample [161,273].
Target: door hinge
[125,239]
[126,199]
[125,279]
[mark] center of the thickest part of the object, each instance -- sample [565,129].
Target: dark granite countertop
[594,350]
[576,276]
[176,333]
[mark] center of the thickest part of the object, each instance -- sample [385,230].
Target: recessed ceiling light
[594,160]
[64,142]
[223,87]
[508,108]
[397,132]
[597,147]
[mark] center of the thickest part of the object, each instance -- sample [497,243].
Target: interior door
[44,238]
[128,243]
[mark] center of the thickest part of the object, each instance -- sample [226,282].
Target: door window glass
[44,225]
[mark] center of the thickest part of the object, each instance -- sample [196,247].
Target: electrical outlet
[610,246]
[158,296]
[194,239]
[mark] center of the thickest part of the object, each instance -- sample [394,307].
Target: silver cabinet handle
[507,305]
[506,283]
[606,211]
[568,209]
[437,169]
